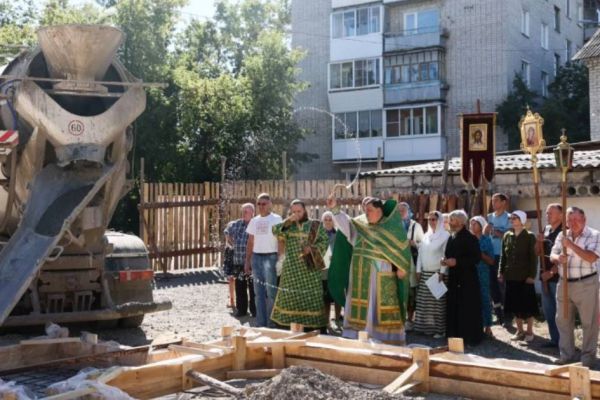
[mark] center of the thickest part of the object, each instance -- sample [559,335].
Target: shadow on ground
[189,278]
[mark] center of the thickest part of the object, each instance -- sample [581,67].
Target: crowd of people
[378,270]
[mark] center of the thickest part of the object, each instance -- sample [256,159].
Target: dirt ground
[200,299]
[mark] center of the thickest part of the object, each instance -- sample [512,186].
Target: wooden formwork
[262,353]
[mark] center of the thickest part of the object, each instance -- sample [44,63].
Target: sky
[199,9]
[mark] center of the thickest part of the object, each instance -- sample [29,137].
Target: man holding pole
[582,245]
[554,215]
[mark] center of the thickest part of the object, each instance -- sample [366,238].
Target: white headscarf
[440,233]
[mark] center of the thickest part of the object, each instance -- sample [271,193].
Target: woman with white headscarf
[430,314]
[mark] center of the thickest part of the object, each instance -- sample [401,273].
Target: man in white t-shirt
[261,258]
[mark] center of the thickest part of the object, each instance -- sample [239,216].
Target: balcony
[353,149]
[414,92]
[415,148]
[408,40]
[348,3]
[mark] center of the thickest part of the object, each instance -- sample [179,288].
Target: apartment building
[395,74]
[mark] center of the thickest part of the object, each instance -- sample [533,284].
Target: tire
[131,322]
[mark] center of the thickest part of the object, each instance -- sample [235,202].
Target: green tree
[513,108]
[568,105]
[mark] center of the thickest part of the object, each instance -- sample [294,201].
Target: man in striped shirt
[582,245]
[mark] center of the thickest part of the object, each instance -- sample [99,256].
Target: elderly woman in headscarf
[329,226]
[477,226]
[430,314]
[518,268]
[463,300]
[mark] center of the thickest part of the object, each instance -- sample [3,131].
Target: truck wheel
[131,322]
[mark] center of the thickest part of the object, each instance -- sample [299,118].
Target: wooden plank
[486,391]
[579,378]
[31,342]
[253,374]
[276,343]
[456,345]
[278,353]
[186,381]
[363,336]
[239,352]
[403,378]
[421,356]
[74,394]
[296,327]
[560,369]
[214,383]
[193,350]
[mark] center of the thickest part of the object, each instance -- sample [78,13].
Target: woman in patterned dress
[300,295]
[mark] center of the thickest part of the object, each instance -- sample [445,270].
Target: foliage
[568,105]
[513,108]
[230,84]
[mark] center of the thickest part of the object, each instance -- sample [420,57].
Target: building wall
[593,65]
[483,52]
[475,61]
[310,26]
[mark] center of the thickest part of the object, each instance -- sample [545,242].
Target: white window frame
[525,22]
[355,11]
[527,76]
[378,74]
[357,114]
[544,35]
[422,108]
[580,15]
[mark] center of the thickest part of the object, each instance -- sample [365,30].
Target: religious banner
[478,147]
[532,137]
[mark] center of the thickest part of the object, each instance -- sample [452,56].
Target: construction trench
[280,364]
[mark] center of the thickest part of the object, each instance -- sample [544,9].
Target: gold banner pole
[563,153]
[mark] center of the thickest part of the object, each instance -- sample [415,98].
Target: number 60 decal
[76,127]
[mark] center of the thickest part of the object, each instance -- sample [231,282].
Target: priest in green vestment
[369,270]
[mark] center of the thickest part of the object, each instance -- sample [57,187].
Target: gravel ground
[200,299]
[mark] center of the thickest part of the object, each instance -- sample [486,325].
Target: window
[337,25]
[349,23]
[525,23]
[544,36]
[412,121]
[556,63]
[525,72]
[557,19]
[335,76]
[568,49]
[347,75]
[568,8]
[364,123]
[363,21]
[354,74]
[416,67]
[579,15]
[421,22]
[359,22]
[544,84]
[376,123]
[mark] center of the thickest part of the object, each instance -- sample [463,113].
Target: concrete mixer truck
[66,109]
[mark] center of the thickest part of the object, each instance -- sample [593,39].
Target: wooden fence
[182,224]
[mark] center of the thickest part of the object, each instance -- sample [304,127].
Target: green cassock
[383,241]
